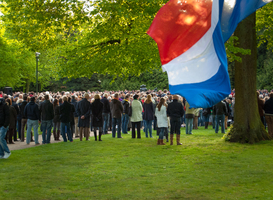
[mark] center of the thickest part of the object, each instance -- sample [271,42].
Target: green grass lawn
[204,167]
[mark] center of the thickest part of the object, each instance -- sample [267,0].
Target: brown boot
[161,142]
[158,142]
[178,139]
[171,139]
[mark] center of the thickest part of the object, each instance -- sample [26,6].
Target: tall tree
[247,127]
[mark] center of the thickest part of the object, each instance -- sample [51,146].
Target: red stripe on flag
[178,25]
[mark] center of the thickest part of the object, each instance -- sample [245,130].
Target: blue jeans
[189,122]
[217,120]
[35,125]
[106,117]
[47,126]
[63,127]
[162,132]
[148,128]
[116,121]
[125,121]
[3,143]
[213,121]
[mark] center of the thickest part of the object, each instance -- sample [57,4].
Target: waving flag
[190,35]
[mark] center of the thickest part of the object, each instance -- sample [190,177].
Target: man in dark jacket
[33,118]
[175,111]
[47,114]
[24,117]
[15,105]
[125,116]
[76,117]
[268,109]
[83,111]
[116,111]
[65,118]
[220,111]
[105,112]
[4,126]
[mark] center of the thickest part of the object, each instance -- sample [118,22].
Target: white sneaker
[6,155]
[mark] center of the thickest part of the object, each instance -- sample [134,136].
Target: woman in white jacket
[136,117]
[162,120]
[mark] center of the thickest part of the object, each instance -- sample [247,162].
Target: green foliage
[114,41]
[232,50]
[39,23]
[264,23]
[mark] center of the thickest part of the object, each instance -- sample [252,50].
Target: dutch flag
[190,35]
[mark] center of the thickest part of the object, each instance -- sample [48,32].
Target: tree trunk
[247,127]
[27,85]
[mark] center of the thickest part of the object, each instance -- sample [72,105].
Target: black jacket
[175,109]
[220,108]
[106,105]
[65,111]
[83,108]
[32,111]
[47,111]
[4,113]
[15,105]
[268,106]
[97,108]
[22,109]
[126,106]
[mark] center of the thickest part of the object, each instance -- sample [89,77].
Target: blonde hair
[97,96]
[149,99]
[64,98]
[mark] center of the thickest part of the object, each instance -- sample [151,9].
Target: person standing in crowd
[105,113]
[268,109]
[19,118]
[261,107]
[226,102]
[56,120]
[47,115]
[148,115]
[162,119]
[136,117]
[72,122]
[65,111]
[15,105]
[4,126]
[195,120]
[175,111]
[189,118]
[116,111]
[125,116]
[32,114]
[220,111]
[97,108]
[83,111]
[76,117]
[12,121]
[24,117]
[206,115]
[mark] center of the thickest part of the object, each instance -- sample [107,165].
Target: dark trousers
[134,126]
[175,125]
[23,124]
[19,127]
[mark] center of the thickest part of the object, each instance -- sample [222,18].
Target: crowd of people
[75,114]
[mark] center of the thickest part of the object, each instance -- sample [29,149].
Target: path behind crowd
[23,145]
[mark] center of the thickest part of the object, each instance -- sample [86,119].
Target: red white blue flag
[190,35]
